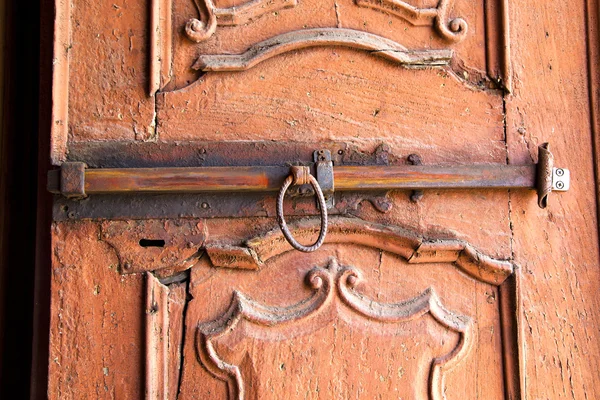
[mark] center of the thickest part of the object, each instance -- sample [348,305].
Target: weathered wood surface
[334,350]
[557,248]
[372,368]
[108,74]
[97,319]
[370,324]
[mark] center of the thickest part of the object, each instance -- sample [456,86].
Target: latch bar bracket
[324,166]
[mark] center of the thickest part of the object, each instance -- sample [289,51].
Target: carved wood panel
[329,284]
[358,72]
[378,311]
[202,63]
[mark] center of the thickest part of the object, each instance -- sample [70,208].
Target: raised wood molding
[198,31]
[59,130]
[328,283]
[164,313]
[331,283]
[497,34]
[307,38]
[157,340]
[160,44]
[453,30]
[413,248]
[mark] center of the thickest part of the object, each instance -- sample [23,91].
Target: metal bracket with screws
[324,166]
[416,195]
[561,179]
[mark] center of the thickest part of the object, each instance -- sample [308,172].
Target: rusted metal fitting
[548,177]
[544,174]
[300,175]
[72,179]
[324,167]
[416,195]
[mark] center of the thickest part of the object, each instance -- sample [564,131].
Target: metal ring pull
[302,176]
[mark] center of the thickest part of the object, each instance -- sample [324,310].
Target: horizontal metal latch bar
[432,177]
[74,180]
[265,179]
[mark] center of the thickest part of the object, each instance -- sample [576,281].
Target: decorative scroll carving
[379,46]
[408,245]
[243,308]
[454,30]
[322,280]
[199,31]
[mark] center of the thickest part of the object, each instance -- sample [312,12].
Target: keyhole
[152,243]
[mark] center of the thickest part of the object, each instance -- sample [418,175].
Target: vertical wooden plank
[97,319]
[593,42]
[557,248]
[157,341]
[60,79]
[512,324]
[160,44]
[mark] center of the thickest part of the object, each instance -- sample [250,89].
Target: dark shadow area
[24,217]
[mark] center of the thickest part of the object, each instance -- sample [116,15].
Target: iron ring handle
[300,176]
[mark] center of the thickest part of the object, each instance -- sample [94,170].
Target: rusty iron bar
[434,177]
[270,179]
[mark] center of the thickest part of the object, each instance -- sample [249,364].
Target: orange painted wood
[556,248]
[96,341]
[465,294]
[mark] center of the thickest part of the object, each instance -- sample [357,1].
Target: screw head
[204,205]
[560,185]
[560,172]
[127,265]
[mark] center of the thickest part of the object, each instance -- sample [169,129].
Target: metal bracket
[549,178]
[561,179]
[324,166]
[72,180]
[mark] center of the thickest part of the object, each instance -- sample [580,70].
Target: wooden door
[456,294]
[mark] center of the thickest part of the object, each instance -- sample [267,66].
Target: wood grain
[269,326]
[109,71]
[320,94]
[97,319]
[361,363]
[557,248]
